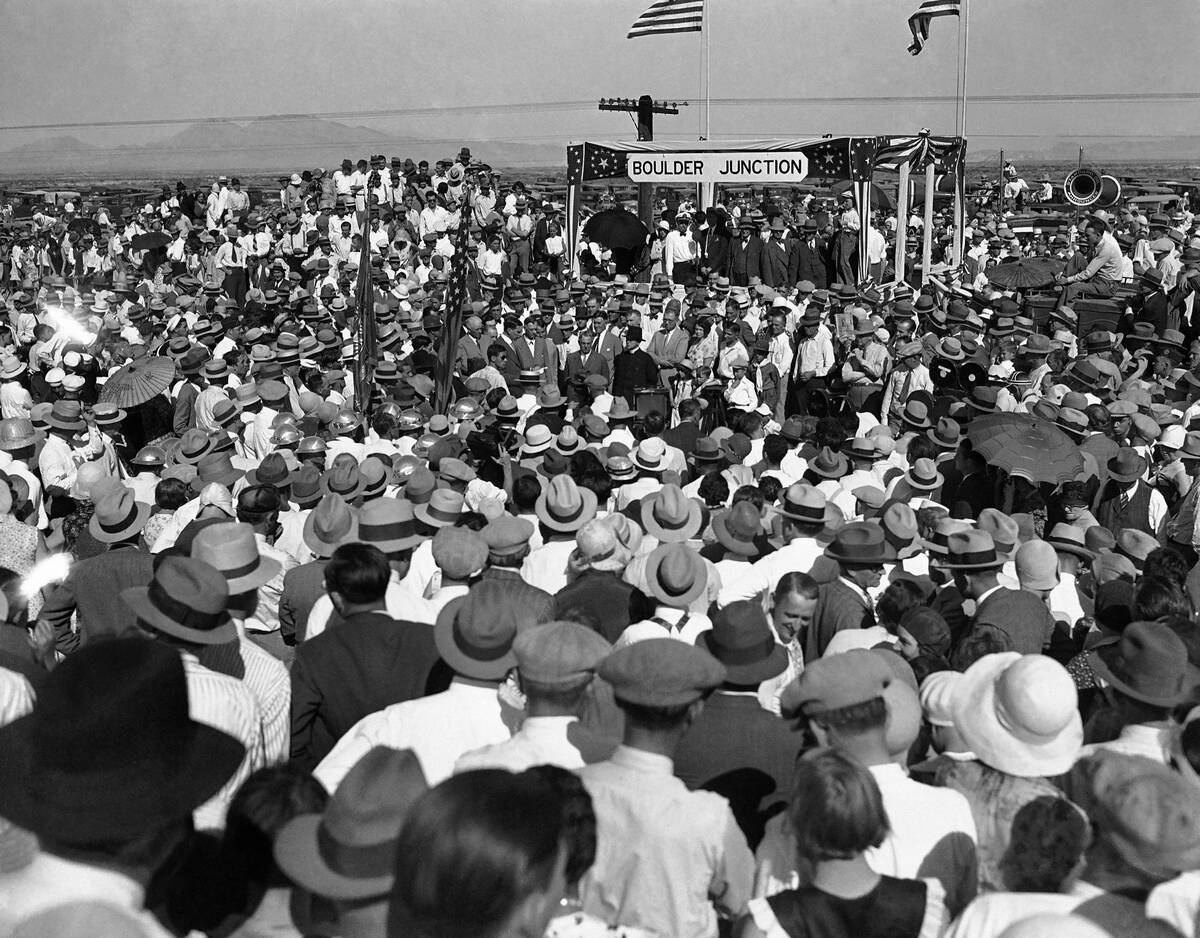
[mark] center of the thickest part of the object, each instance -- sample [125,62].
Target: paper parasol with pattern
[1021,444]
[141,380]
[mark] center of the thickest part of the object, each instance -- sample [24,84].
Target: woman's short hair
[170,494]
[836,811]
[472,850]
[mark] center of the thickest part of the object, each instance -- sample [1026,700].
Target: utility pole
[645,108]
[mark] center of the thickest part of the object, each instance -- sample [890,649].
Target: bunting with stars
[588,161]
[844,157]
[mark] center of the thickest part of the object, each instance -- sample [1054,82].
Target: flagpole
[962,83]
[704,31]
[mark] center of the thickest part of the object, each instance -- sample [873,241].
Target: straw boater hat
[349,851]
[1019,714]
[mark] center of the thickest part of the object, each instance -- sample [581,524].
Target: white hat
[937,696]
[1019,714]
[1172,437]
[851,639]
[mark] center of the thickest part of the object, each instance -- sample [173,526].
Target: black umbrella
[616,228]
[150,241]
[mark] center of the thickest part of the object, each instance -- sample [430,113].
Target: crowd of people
[704,607]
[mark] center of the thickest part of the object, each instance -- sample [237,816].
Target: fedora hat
[650,455]
[924,476]
[537,440]
[343,480]
[675,575]
[983,399]
[17,433]
[1069,539]
[743,641]
[273,470]
[1127,466]
[916,414]
[444,508]
[186,600]
[389,524]
[118,517]
[66,416]
[474,633]
[828,464]
[899,523]
[860,448]
[971,550]
[349,850]
[946,434]
[861,542]
[564,506]
[216,467]
[11,368]
[802,502]
[232,550]
[1149,663]
[1019,714]
[77,773]
[708,450]
[670,516]
[950,348]
[329,525]
[737,528]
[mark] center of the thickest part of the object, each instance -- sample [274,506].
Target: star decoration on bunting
[829,158]
[603,162]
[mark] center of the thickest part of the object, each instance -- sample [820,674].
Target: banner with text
[727,167]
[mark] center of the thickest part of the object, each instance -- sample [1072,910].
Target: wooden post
[927,230]
[902,194]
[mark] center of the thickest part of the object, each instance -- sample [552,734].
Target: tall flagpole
[704,32]
[962,83]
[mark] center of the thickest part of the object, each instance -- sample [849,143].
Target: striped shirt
[226,704]
[267,679]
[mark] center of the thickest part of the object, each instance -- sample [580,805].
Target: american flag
[844,157]
[456,293]
[919,21]
[669,16]
[587,161]
[365,338]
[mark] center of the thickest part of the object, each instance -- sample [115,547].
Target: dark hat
[66,415]
[186,600]
[1149,663]
[661,672]
[329,525]
[1127,466]
[77,773]
[737,528]
[349,851]
[861,542]
[474,633]
[742,640]
[837,682]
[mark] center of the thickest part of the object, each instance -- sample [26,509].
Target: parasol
[1025,445]
[616,228]
[880,198]
[150,241]
[138,382]
[1026,273]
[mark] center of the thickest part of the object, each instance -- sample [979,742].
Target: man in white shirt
[680,252]
[556,663]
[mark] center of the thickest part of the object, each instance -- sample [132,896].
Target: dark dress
[895,908]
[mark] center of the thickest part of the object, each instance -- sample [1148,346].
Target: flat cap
[507,534]
[845,680]
[459,552]
[560,654]
[455,470]
[662,672]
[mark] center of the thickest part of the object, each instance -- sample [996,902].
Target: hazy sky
[108,60]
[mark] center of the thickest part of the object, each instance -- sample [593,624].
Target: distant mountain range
[260,145]
[291,144]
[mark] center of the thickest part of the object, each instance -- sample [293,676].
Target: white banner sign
[717,167]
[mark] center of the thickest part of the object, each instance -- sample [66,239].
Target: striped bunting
[919,21]
[669,16]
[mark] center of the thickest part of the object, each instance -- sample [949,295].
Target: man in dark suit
[633,368]
[587,361]
[92,588]
[683,435]
[780,262]
[1020,615]
[599,597]
[813,257]
[860,551]
[369,662]
[469,348]
[507,538]
[1153,305]
[735,747]
[745,254]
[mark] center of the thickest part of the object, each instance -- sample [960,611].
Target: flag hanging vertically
[669,16]
[456,295]
[365,337]
[919,21]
